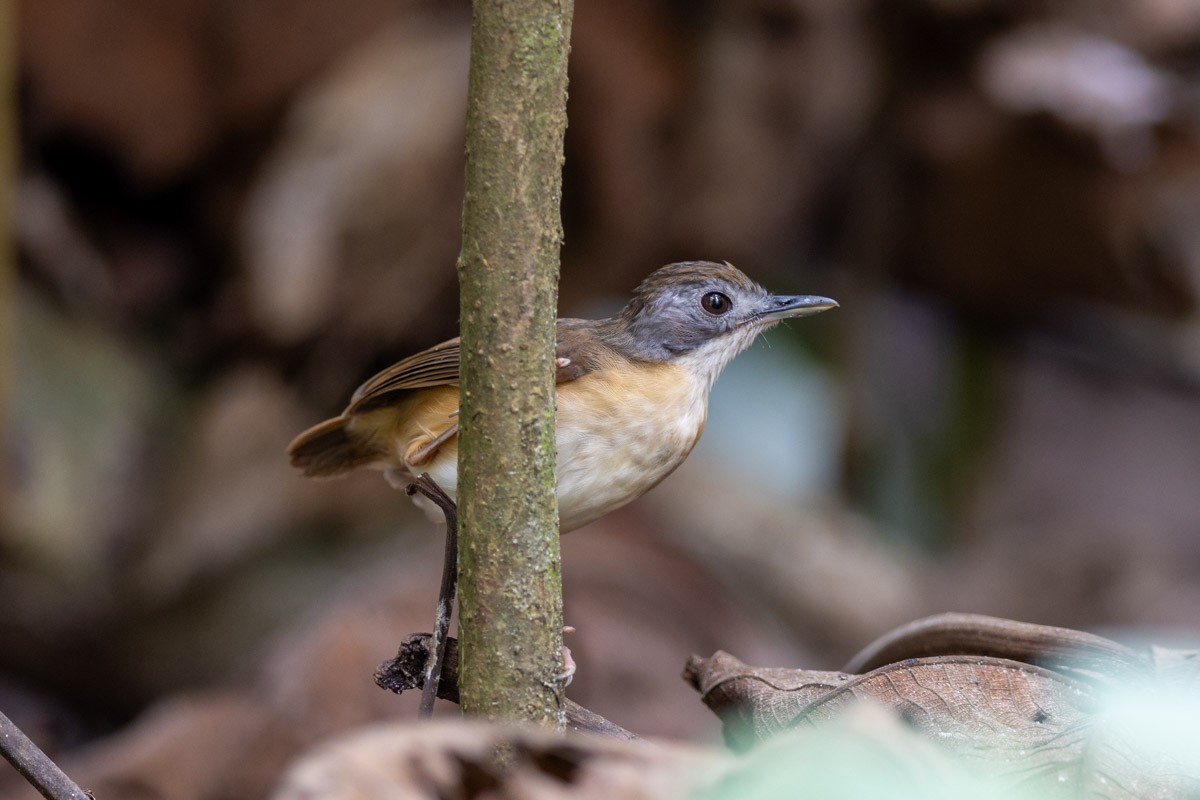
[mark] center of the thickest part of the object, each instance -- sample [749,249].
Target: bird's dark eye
[716,303]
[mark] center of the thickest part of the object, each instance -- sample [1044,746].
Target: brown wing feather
[580,350]
[437,366]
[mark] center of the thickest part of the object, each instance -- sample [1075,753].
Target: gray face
[680,318]
[682,307]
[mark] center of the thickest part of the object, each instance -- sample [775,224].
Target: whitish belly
[617,438]
[613,446]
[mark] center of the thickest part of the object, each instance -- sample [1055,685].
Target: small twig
[406,671]
[35,765]
[441,625]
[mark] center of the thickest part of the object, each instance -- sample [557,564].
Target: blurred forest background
[228,214]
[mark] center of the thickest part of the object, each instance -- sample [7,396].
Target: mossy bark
[510,608]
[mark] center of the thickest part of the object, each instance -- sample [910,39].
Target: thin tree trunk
[510,611]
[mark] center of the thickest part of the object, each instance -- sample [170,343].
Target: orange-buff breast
[619,432]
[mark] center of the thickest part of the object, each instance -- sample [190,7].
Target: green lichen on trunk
[510,608]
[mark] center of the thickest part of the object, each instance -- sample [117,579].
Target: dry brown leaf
[1041,727]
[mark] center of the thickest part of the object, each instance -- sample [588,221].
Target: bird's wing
[578,350]
[438,366]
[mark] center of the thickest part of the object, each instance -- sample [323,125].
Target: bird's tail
[330,448]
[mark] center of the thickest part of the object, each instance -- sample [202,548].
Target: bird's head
[703,313]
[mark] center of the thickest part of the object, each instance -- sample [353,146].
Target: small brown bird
[632,393]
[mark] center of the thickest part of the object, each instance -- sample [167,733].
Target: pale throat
[705,362]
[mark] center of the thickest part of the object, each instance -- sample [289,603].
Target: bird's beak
[781,306]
